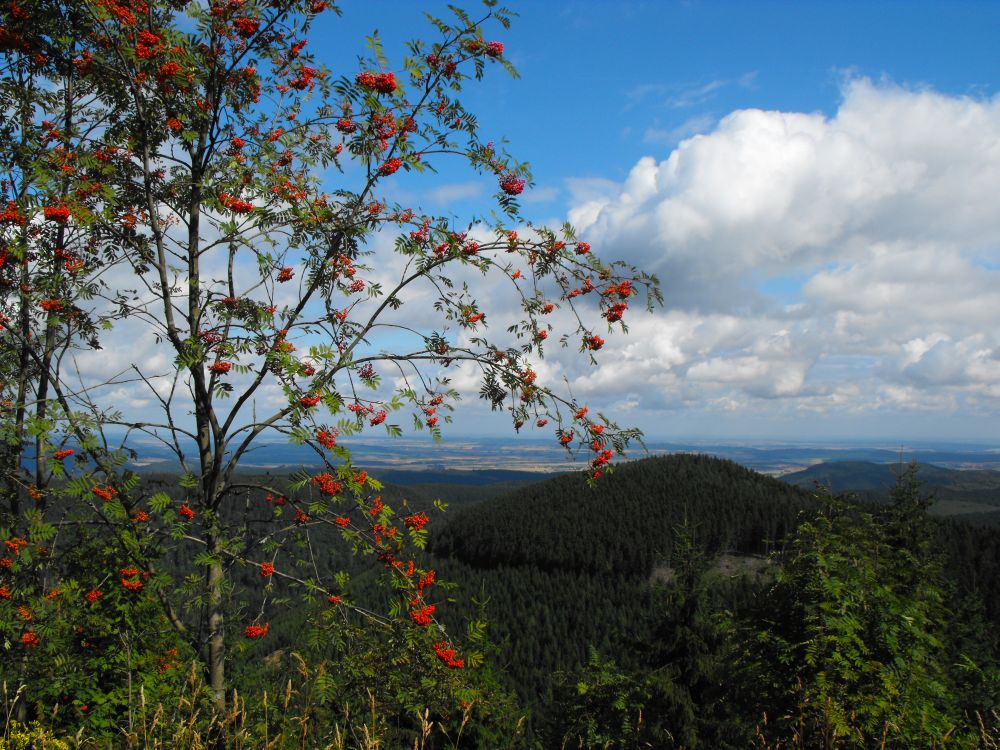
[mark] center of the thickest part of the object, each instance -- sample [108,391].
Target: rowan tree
[193,172]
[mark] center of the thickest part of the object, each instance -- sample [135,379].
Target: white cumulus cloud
[815,263]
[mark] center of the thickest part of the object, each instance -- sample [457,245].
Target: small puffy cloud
[131,345]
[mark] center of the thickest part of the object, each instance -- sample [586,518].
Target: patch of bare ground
[726,565]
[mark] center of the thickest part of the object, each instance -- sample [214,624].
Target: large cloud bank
[815,268]
[845,264]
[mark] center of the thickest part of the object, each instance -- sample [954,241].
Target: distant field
[526,454]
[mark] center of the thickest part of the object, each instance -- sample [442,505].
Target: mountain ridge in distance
[973,494]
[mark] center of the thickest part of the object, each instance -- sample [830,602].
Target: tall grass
[290,720]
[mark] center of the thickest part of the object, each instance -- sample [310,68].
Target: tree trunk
[216,630]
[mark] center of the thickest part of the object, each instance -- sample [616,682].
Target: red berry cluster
[257,631]
[616,311]
[105,492]
[11,215]
[59,214]
[148,46]
[304,79]
[511,184]
[235,205]
[390,167]
[246,27]
[327,439]
[447,655]
[423,616]
[416,521]
[130,578]
[382,83]
[327,484]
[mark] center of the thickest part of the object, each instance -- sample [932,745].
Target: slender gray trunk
[216,629]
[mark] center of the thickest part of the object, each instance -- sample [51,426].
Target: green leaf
[160,502]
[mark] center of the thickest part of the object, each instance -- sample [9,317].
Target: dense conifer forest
[560,590]
[683,601]
[687,597]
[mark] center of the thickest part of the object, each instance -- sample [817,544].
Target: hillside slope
[973,494]
[624,524]
[561,566]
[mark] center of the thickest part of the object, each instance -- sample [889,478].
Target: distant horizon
[452,438]
[533,454]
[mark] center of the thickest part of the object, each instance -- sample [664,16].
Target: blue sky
[596,76]
[812,180]
[610,72]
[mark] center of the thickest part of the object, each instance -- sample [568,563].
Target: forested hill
[562,566]
[842,476]
[971,494]
[624,524]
